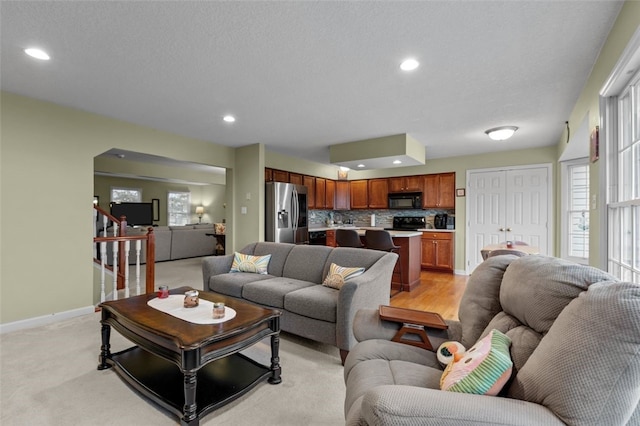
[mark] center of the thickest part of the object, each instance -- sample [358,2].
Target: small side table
[413,322]
[220,243]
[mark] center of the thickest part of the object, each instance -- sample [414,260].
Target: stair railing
[121,244]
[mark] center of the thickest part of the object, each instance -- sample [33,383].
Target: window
[575,222]
[179,204]
[623,207]
[126,195]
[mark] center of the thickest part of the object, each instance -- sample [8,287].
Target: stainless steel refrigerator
[286,214]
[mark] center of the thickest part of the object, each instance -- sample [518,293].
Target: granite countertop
[361,230]
[364,228]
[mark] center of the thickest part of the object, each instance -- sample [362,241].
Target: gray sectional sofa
[294,286]
[174,242]
[575,348]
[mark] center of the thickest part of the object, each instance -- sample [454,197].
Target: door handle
[502,229]
[508,229]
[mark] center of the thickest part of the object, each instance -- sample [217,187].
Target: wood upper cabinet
[439,191]
[378,193]
[268,175]
[359,194]
[330,194]
[342,195]
[310,183]
[405,184]
[295,178]
[280,176]
[437,251]
[320,193]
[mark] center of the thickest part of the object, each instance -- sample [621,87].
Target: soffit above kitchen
[378,153]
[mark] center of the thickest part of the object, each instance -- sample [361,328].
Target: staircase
[121,245]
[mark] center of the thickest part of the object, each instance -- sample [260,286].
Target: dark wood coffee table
[189,369]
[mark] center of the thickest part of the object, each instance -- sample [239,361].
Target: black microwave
[405,200]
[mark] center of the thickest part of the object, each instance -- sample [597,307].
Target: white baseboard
[45,319]
[459,272]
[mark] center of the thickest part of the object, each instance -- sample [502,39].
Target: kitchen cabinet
[295,178]
[331,237]
[320,193]
[378,193]
[359,194]
[439,191]
[405,184]
[342,195]
[280,176]
[406,274]
[437,250]
[310,183]
[268,175]
[329,194]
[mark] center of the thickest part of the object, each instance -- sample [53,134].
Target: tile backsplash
[384,218]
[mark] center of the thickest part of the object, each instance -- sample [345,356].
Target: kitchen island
[406,275]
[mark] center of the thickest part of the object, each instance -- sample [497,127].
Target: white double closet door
[507,204]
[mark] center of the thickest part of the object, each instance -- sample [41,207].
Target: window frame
[567,185]
[619,84]
[124,188]
[171,213]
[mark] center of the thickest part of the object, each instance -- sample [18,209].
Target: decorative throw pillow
[484,369]
[248,263]
[339,274]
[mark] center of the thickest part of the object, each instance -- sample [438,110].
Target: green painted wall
[588,103]
[47,162]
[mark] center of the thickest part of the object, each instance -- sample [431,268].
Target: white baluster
[127,244]
[103,260]
[138,247]
[105,222]
[115,270]
[95,232]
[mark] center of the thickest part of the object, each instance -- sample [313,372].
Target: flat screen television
[138,214]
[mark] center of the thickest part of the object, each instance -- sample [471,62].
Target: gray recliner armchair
[575,347]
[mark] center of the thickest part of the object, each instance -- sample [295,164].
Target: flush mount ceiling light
[37,53]
[361,166]
[229,118]
[501,133]
[397,162]
[409,64]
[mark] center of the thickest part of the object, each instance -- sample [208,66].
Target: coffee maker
[440,221]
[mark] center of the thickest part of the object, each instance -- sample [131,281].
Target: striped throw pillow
[484,369]
[248,263]
[339,274]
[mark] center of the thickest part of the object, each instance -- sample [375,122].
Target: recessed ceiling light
[37,53]
[501,133]
[361,165]
[397,162]
[409,64]
[229,118]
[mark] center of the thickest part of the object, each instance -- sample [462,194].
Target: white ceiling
[303,75]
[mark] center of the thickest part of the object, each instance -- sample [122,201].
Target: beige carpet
[48,376]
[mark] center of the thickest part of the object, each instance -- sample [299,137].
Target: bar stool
[381,240]
[348,238]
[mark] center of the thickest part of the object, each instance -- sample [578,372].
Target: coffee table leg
[105,348]
[275,360]
[190,383]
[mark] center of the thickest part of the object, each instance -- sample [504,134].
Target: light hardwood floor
[438,292]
